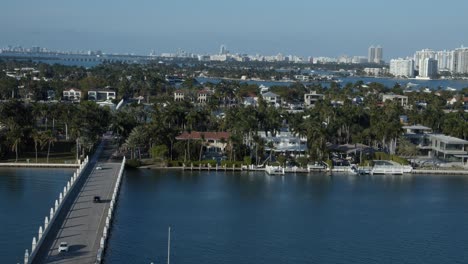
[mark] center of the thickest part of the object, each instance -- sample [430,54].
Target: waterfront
[388,82]
[240,217]
[26,196]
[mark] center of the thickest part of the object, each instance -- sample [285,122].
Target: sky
[302,27]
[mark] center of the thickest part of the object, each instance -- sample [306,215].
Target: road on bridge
[81,222]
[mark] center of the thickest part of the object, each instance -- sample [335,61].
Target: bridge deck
[81,221]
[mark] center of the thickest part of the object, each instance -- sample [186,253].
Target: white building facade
[402,68]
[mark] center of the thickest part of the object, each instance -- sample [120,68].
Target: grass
[58,158]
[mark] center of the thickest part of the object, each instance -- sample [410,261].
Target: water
[388,82]
[255,218]
[26,196]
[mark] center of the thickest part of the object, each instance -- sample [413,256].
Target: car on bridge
[63,247]
[97,199]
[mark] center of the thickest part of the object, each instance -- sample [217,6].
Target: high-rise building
[444,60]
[371,54]
[402,67]
[428,68]
[223,50]
[375,54]
[421,55]
[378,55]
[460,60]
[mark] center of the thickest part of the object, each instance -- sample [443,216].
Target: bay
[219,217]
[26,196]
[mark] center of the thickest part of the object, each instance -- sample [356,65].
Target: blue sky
[303,27]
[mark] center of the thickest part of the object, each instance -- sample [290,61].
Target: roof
[102,90]
[74,89]
[207,135]
[448,139]
[270,94]
[417,127]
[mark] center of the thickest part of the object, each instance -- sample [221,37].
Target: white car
[63,247]
[98,168]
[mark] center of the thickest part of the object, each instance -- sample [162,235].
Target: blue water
[254,218]
[388,82]
[26,196]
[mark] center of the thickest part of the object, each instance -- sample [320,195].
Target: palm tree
[49,139]
[37,138]
[15,136]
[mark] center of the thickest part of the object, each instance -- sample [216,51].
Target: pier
[78,219]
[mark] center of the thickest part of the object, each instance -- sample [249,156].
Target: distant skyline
[299,27]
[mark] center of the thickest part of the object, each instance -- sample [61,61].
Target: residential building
[284,142]
[215,142]
[401,99]
[179,95]
[402,68]
[376,71]
[371,54]
[428,68]
[460,60]
[419,136]
[421,55]
[444,60]
[449,148]
[101,94]
[375,54]
[71,94]
[311,99]
[272,99]
[203,96]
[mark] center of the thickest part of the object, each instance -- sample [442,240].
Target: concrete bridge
[76,218]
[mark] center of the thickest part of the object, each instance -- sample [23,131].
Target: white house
[401,99]
[101,94]
[72,94]
[312,98]
[272,98]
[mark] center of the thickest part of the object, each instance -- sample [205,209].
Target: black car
[97,199]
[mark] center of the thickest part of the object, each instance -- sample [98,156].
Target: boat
[274,170]
[316,166]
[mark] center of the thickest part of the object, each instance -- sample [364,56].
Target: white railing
[54,212]
[107,227]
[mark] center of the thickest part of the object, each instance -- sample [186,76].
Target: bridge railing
[54,212]
[110,212]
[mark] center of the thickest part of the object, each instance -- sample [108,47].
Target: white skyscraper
[375,54]
[371,54]
[460,60]
[402,67]
[428,68]
[444,60]
[378,55]
[421,55]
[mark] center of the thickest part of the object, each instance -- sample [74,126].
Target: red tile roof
[207,135]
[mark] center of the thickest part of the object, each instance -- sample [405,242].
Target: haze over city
[306,28]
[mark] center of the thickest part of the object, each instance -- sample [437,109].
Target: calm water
[388,82]
[254,218]
[26,196]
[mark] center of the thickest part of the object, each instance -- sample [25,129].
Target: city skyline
[298,27]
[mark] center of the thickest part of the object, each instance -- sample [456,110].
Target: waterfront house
[448,148]
[71,94]
[179,95]
[101,94]
[419,136]
[284,142]
[203,96]
[215,142]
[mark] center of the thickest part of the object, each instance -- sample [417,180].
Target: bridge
[77,218]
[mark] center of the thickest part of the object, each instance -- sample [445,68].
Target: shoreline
[37,165]
[302,171]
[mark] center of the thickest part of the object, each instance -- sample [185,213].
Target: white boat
[316,166]
[274,170]
[347,169]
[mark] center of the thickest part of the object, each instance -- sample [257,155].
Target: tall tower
[223,50]
[371,54]
[378,55]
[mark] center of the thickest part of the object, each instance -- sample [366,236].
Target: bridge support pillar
[26,257]
[34,243]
